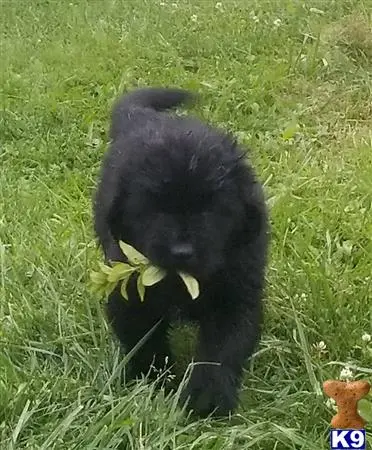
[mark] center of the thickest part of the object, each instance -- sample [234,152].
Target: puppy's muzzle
[182,253]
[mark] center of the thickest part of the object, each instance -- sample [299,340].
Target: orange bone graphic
[347,395]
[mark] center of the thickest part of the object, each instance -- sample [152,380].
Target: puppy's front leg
[132,320]
[114,253]
[227,338]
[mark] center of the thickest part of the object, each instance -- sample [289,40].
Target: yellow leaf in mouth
[123,289]
[109,288]
[140,288]
[107,279]
[119,272]
[152,275]
[98,278]
[133,255]
[191,284]
[105,268]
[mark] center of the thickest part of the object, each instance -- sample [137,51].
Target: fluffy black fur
[182,193]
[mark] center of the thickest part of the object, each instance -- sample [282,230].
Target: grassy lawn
[293,80]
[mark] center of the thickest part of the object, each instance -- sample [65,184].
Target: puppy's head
[188,200]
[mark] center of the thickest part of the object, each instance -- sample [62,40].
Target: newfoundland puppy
[183,194]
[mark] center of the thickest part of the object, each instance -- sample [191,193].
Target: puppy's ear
[108,205]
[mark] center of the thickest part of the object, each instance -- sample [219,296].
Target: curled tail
[158,99]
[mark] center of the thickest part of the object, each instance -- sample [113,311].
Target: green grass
[293,80]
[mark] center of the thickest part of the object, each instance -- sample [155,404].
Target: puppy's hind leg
[133,323]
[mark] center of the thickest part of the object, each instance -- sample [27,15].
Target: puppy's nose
[182,252]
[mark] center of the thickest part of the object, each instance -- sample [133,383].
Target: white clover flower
[322,345]
[277,22]
[253,16]
[346,373]
[321,348]
[194,18]
[218,6]
[366,337]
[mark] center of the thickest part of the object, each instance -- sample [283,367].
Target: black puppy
[182,193]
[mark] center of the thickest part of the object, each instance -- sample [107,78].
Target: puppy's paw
[211,389]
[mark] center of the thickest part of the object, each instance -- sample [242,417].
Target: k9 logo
[348,439]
